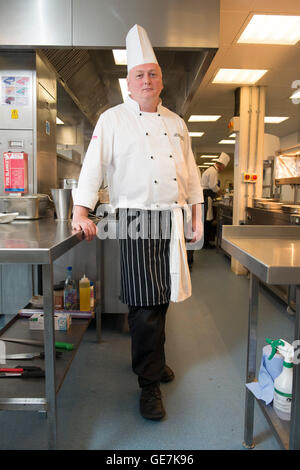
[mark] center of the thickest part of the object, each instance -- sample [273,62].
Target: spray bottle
[283,384]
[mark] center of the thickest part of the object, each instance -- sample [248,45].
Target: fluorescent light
[120,56]
[203,118]
[232,135]
[123,86]
[225,141]
[239,76]
[196,134]
[274,119]
[295,95]
[208,163]
[271,29]
[209,156]
[59,121]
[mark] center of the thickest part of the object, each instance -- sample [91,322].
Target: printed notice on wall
[15,90]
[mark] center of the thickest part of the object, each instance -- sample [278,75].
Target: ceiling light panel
[225,141]
[274,119]
[271,29]
[124,88]
[196,134]
[295,95]
[120,56]
[203,118]
[209,156]
[239,76]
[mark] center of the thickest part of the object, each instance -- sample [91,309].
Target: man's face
[145,82]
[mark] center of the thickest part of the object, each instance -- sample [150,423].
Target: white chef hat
[224,159]
[139,48]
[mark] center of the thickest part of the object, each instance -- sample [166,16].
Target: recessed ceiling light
[232,135]
[203,118]
[295,95]
[123,86]
[225,141]
[239,76]
[274,119]
[208,163]
[59,121]
[271,29]
[120,56]
[209,156]
[196,134]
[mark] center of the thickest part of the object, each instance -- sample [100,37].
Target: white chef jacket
[209,179]
[149,164]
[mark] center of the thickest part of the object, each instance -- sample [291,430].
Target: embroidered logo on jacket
[178,135]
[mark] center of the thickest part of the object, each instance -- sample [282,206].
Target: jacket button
[175,179]
[155,181]
[165,133]
[176,202]
[171,156]
[140,114]
[152,157]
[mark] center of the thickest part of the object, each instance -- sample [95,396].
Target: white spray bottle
[283,384]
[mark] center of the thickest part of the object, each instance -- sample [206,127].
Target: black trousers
[147,329]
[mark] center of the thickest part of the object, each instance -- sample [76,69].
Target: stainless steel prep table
[271,254]
[41,242]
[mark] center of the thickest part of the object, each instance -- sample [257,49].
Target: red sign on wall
[15,172]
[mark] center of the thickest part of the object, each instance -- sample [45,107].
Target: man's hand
[197,225]
[81,222]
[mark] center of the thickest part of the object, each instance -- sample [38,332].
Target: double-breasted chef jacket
[149,165]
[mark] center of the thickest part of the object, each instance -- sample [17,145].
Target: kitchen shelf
[16,393]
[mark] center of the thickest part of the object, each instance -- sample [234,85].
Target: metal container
[68,183]
[258,201]
[291,208]
[63,203]
[31,206]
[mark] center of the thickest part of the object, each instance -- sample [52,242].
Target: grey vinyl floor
[206,346]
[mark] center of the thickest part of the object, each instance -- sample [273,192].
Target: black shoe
[167,375]
[151,405]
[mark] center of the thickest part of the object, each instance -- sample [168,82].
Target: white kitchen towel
[181,286]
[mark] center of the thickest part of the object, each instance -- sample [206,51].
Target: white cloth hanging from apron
[181,286]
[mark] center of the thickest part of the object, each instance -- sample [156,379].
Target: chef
[211,189]
[144,151]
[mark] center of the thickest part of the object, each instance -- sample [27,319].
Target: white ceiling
[282,62]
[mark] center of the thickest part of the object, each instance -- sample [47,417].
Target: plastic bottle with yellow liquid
[84,294]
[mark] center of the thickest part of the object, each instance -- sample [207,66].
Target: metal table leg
[49,339]
[294,443]
[99,287]
[251,360]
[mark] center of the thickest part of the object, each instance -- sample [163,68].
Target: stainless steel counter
[270,252]
[36,241]
[272,255]
[41,242]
